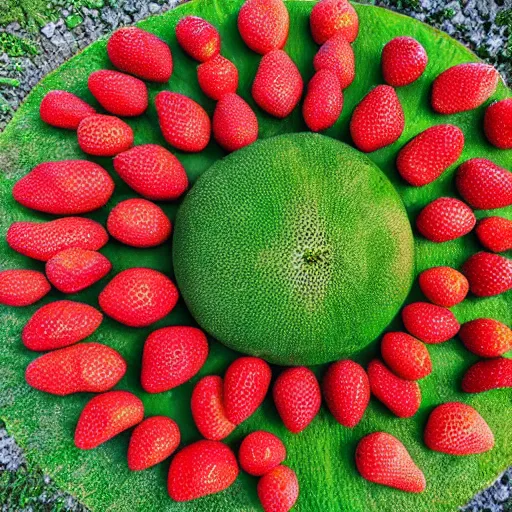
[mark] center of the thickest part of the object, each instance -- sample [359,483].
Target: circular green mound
[297,249]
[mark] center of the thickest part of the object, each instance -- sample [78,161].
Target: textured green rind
[323,454]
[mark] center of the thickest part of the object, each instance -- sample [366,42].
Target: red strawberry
[346,391]
[198,38]
[498,124]
[42,240]
[64,110]
[201,469]
[488,274]
[422,160]
[277,87]
[152,441]
[487,375]
[118,93]
[378,120]
[457,429]
[101,135]
[105,416]
[68,187]
[329,17]
[22,287]
[152,171]
[260,452]
[403,61]
[139,223]
[246,383]
[208,409]
[235,125]
[443,286]
[278,489]
[171,357]
[140,53]
[83,368]
[402,397]
[381,458]
[138,297]
[445,219]
[264,25]
[59,324]
[495,233]
[337,56]
[217,77]
[184,123]
[406,356]
[486,337]
[429,322]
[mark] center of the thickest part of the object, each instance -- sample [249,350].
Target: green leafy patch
[16,46]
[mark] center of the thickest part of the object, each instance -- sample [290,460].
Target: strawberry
[208,409]
[457,429]
[101,135]
[445,219]
[381,458]
[484,185]
[403,61]
[118,93]
[346,391]
[184,123]
[152,441]
[278,489]
[246,383]
[105,416]
[378,120]
[260,452]
[59,324]
[277,87]
[264,25]
[495,233]
[42,240]
[422,160]
[329,17]
[487,375]
[201,469]
[402,397]
[64,110]
[68,187]
[138,297]
[139,223]
[73,270]
[83,368]
[235,125]
[488,274]
[430,323]
[486,337]
[217,77]
[498,124]
[443,286]
[406,356]
[140,53]
[198,38]
[22,287]
[171,357]
[152,171]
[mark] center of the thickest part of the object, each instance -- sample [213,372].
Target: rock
[48,30]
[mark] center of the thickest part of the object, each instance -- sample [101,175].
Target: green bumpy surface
[322,455]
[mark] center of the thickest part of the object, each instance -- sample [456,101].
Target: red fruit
[139,223]
[498,124]
[64,110]
[445,219]
[260,452]
[152,441]
[457,429]
[217,77]
[22,287]
[402,397]
[278,489]
[487,375]
[83,368]
[277,87]
[208,409]
[171,357]
[443,286]
[488,274]
[246,383]
[329,17]
[495,233]
[422,160]
[105,416]
[68,187]
[140,53]
[184,123]
[264,25]
[201,469]
[337,56]
[378,120]
[101,135]
[235,125]
[486,337]
[119,94]
[198,38]
[429,322]
[59,324]
[347,392]
[381,458]
[403,61]
[138,297]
